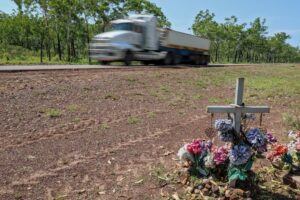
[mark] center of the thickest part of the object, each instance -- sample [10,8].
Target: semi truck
[137,38]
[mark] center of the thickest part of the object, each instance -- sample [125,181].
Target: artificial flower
[255,137]
[223,125]
[209,161]
[239,154]
[194,147]
[270,138]
[183,154]
[220,155]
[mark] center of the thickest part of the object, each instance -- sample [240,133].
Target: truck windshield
[122,27]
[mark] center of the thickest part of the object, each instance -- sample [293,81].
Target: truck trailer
[137,38]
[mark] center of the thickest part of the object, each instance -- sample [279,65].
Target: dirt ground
[101,134]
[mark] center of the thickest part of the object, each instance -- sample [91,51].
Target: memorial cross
[238,108]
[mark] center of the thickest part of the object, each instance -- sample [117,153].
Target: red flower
[280,150]
[194,147]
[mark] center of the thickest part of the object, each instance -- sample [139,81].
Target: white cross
[238,108]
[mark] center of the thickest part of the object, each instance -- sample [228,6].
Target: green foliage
[60,30]
[292,121]
[53,113]
[133,120]
[234,42]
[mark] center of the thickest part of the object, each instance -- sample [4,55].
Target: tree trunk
[41,47]
[59,47]
[88,39]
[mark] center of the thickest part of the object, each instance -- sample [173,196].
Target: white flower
[291,147]
[293,135]
[184,155]
[209,161]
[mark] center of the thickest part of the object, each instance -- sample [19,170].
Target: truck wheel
[198,60]
[168,60]
[177,59]
[128,58]
[104,62]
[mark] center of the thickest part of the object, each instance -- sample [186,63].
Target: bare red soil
[109,131]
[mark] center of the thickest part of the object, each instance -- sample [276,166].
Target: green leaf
[235,173]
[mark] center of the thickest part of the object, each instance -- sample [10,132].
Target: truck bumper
[105,55]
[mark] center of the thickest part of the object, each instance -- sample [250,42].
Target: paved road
[17,68]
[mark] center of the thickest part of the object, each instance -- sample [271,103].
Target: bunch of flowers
[277,152]
[225,130]
[239,154]
[294,149]
[220,155]
[203,156]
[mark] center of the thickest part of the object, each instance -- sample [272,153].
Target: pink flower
[194,147]
[220,155]
[297,146]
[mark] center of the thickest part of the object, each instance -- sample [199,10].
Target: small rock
[81,191]
[175,196]
[208,186]
[184,180]
[205,181]
[190,189]
[227,193]
[200,187]
[196,191]
[205,192]
[215,189]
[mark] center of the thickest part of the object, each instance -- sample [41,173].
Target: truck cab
[126,39]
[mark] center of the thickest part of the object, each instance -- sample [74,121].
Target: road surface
[17,68]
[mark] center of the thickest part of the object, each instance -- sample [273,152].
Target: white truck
[137,38]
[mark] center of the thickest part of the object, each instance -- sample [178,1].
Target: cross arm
[235,109]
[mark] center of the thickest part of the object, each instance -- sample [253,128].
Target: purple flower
[239,154]
[255,137]
[220,155]
[270,138]
[262,148]
[223,125]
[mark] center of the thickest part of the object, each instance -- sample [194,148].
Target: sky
[280,15]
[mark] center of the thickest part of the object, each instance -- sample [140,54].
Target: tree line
[62,30]
[233,42]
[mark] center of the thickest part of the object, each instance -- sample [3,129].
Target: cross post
[238,108]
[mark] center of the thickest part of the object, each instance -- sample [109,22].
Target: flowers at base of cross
[223,125]
[209,160]
[270,138]
[183,154]
[194,147]
[277,152]
[240,154]
[255,138]
[294,135]
[220,155]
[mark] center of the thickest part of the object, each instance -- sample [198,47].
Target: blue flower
[239,154]
[223,125]
[255,137]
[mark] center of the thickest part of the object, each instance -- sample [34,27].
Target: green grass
[72,108]
[53,113]
[104,125]
[151,114]
[291,121]
[133,120]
